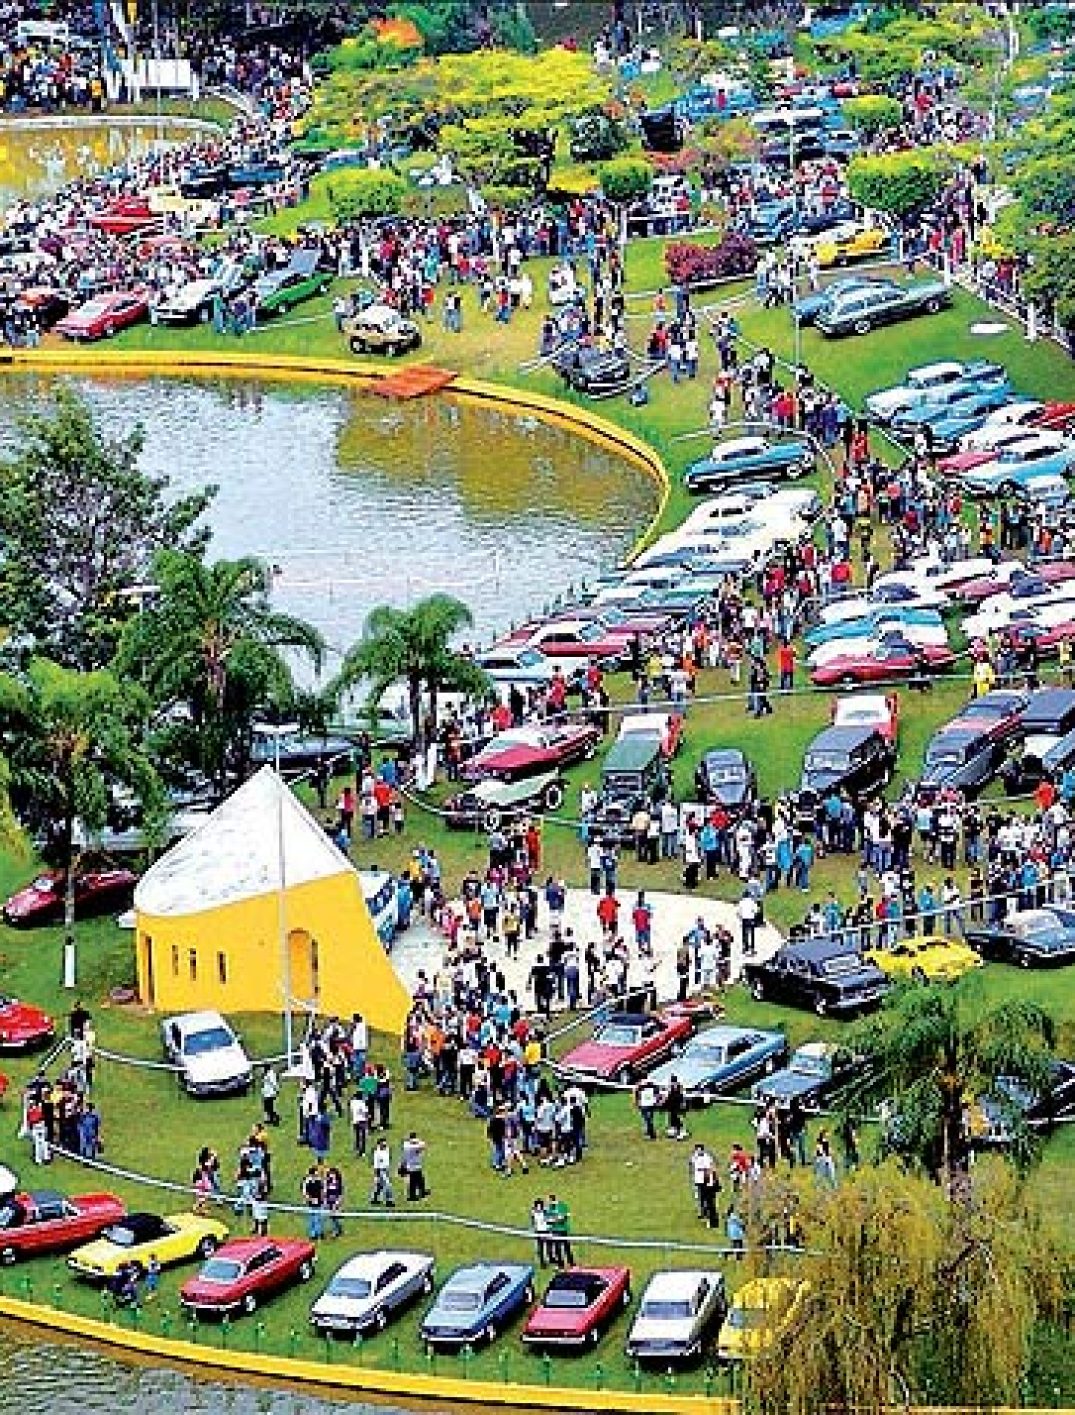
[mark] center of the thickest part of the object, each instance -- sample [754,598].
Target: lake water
[38,159]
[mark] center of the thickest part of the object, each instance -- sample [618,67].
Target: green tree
[901,184]
[873,113]
[1047,187]
[626,179]
[412,646]
[365,192]
[80,524]
[1050,279]
[211,643]
[933,1051]
[69,738]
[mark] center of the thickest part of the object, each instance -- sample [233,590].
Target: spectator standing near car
[412,1166]
[313,1197]
[559,1220]
[646,1102]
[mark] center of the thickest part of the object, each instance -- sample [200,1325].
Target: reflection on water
[360,502]
[38,161]
[39,1377]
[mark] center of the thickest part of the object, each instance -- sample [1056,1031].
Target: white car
[878,710]
[627,589]
[936,574]
[666,727]
[510,667]
[1000,611]
[854,606]
[922,635]
[929,382]
[190,304]
[371,1289]
[677,1314]
[208,1053]
[1008,421]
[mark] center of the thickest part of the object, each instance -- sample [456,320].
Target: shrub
[365,192]
[688,263]
[626,179]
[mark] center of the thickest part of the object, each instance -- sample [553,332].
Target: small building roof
[235,854]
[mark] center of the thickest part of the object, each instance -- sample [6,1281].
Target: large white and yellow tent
[258,905]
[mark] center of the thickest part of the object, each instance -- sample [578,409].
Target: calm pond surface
[38,160]
[359,502]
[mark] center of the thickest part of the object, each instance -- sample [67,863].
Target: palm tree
[412,646]
[934,1049]
[212,642]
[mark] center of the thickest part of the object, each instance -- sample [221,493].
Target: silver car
[677,1314]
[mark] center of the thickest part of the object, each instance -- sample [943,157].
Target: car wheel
[381,1320]
[306,1271]
[358,347]
[847,681]
[757,990]
[932,306]
[207,1247]
[8,1256]
[109,330]
[490,1332]
[821,1007]
[1023,960]
[250,1304]
[553,796]
[626,1299]
[862,326]
[492,820]
[427,1284]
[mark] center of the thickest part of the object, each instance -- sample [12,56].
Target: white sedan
[370,1289]
[1001,611]
[923,635]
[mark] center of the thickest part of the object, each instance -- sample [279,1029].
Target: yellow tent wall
[230,958]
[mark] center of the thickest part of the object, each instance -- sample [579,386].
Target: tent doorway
[305,980]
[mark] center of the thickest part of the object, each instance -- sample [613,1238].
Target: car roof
[724,1033]
[675,1284]
[196,1021]
[476,1275]
[732,755]
[1047,704]
[739,444]
[246,1248]
[821,1050]
[633,752]
[628,1019]
[818,949]
[363,1263]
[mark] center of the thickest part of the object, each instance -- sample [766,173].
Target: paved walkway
[421,948]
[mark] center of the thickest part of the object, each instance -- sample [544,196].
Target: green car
[277,291]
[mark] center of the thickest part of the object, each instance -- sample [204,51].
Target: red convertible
[45,1222]
[577,1307]
[23,1026]
[243,1271]
[893,658]
[96,892]
[126,214]
[528,751]
[628,1044]
[100,317]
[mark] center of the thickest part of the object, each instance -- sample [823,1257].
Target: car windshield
[840,964]
[666,1311]
[350,1287]
[567,1297]
[213,1039]
[44,885]
[221,1270]
[747,1318]
[618,1036]
[826,761]
[529,657]
[710,1053]
[121,1236]
[591,632]
[809,1063]
[723,774]
[944,756]
[460,1301]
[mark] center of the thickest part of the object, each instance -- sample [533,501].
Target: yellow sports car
[929,959]
[135,1239]
[851,243]
[764,1313]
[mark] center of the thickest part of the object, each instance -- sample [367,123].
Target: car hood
[461,1322]
[662,1330]
[223,1065]
[782,1085]
[690,1073]
[557,1321]
[195,1289]
[355,1309]
[591,1056]
[28,901]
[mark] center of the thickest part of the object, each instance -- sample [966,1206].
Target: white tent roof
[235,854]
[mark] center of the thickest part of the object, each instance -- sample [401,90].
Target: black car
[593,371]
[725,777]
[662,130]
[862,310]
[814,223]
[1011,1106]
[815,1073]
[1050,712]
[819,974]
[961,757]
[857,760]
[299,754]
[1029,938]
[807,309]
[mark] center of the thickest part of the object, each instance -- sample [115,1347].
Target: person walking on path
[381,1160]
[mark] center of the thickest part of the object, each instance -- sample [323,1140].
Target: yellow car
[851,243]
[178,1238]
[764,1313]
[930,959]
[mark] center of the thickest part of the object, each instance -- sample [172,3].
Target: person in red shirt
[382,794]
[608,914]
[785,666]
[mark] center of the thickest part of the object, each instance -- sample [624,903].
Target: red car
[627,1045]
[43,1221]
[244,1271]
[96,892]
[528,751]
[575,638]
[1008,576]
[102,316]
[23,1026]
[578,1305]
[124,215]
[1046,641]
[894,658]
[46,304]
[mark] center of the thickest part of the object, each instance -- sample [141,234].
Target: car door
[498,1303]
[739,1059]
[886,306]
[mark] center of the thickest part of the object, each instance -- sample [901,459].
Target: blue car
[873,623]
[720,1059]
[476,1303]
[948,425]
[742,457]
[948,403]
[1015,467]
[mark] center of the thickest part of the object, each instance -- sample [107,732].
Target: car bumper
[229,1086]
[663,1350]
[564,1340]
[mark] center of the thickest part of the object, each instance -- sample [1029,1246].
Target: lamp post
[276,731]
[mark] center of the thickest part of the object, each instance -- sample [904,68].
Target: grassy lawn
[623,1187]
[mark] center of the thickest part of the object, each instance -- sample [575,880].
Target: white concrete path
[422,949]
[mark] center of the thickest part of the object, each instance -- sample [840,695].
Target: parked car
[533,750]
[45,303]
[370,1290]
[516,666]
[990,439]
[741,457]
[476,1303]
[279,290]
[634,773]
[301,753]
[946,408]
[208,1053]
[819,974]
[876,621]
[124,216]
[927,958]
[921,384]
[191,304]
[103,316]
[1011,1106]
[807,308]
[765,1314]
[1015,578]
[626,1045]
[43,1221]
[97,891]
[490,803]
[816,1072]
[595,372]
[853,242]
[858,760]
[1014,466]
[665,727]
[960,757]
[719,1059]
[133,1240]
[892,657]
[243,1272]
[578,637]
[380,329]
[726,777]
[1000,711]
[577,1307]
[864,310]
[881,711]
[1023,414]
[677,1315]
[23,1026]
[1029,938]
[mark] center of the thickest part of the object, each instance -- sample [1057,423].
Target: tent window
[222,967]
[192,959]
[175,960]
